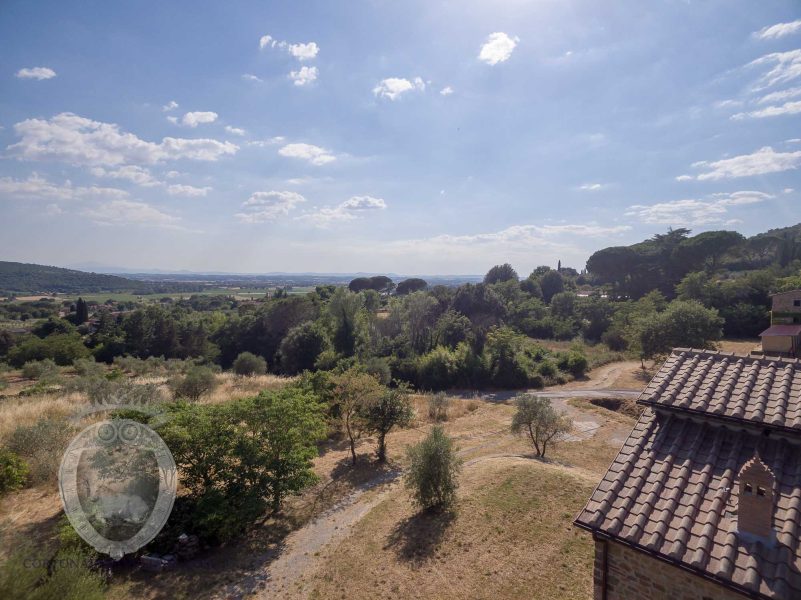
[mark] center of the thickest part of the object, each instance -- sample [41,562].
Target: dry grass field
[356,534]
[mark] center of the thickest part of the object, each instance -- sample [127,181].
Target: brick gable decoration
[707,487]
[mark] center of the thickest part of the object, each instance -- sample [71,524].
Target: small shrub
[379,368]
[438,405]
[572,362]
[40,369]
[13,472]
[433,471]
[473,405]
[67,576]
[88,367]
[42,445]
[614,340]
[248,364]
[547,369]
[197,382]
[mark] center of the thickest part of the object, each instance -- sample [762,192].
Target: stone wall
[634,575]
[785,303]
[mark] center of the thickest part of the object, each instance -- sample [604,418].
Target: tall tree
[353,392]
[392,408]
[499,273]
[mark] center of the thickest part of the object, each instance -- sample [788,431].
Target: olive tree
[542,423]
[353,392]
[392,408]
[433,470]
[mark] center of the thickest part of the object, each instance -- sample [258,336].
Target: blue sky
[415,137]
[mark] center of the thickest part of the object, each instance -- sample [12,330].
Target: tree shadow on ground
[417,538]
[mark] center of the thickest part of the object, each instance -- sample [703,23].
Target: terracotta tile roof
[763,392]
[669,491]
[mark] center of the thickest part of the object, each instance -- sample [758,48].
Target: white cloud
[348,210]
[713,209]
[304,75]
[193,119]
[268,206]
[187,190]
[133,173]
[728,103]
[37,187]
[53,210]
[235,130]
[127,212]
[498,48]
[173,120]
[251,77]
[685,178]
[788,108]
[314,154]
[39,73]
[304,51]
[763,161]
[780,95]
[76,140]
[172,174]
[785,67]
[446,91]
[394,87]
[592,187]
[171,105]
[278,139]
[779,30]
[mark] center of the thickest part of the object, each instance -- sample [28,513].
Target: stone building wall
[634,575]
[785,303]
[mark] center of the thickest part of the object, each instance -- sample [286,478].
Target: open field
[237,292]
[356,534]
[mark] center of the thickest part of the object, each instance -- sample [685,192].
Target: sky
[416,137]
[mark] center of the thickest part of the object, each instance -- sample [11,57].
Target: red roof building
[704,499]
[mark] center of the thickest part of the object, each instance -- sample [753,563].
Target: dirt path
[282,576]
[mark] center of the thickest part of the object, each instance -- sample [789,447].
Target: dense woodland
[674,289]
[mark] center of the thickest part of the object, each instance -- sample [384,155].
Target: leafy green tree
[563,305]
[507,364]
[433,471]
[353,392]
[301,347]
[420,315]
[536,418]
[411,285]
[248,365]
[531,286]
[343,310]
[500,273]
[707,248]
[63,349]
[392,408]
[197,382]
[44,370]
[452,328]
[551,284]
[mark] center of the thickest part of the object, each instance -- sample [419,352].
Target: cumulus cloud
[235,130]
[268,206]
[783,68]
[713,209]
[304,75]
[37,187]
[446,91]
[77,140]
[133,173]
[348,210]
[193,119]
[498,48]
[394,87]
[187,190]
[38,73]
[309,152]
[127,212]
[779,30]
[763,161]
[306,51]
[171,105]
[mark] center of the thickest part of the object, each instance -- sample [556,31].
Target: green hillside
[34,279]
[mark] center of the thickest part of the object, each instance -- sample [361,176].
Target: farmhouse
[704,499]
[783,337]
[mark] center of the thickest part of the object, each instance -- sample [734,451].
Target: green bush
[379,368]
[42,446]
[547,369]
[433,471]
[66,576]
[572,362]
[88,367]
[197,382]
[40,369]
[13,472]
[301,348]
[248,364]
[62,348]
[614,340]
